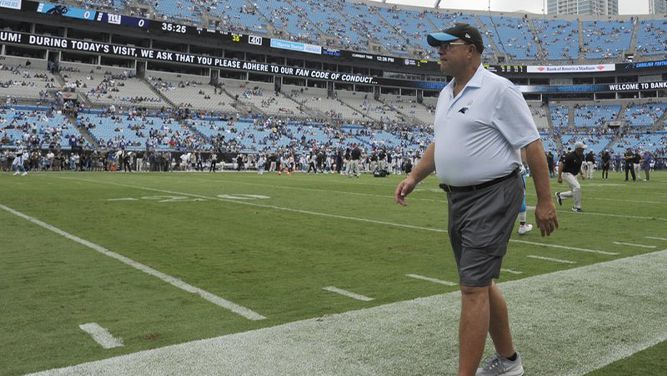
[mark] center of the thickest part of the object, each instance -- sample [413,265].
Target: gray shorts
[480,226]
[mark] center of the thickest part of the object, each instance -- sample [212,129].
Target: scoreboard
[180,29]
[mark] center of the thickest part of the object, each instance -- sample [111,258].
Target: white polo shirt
[479,133]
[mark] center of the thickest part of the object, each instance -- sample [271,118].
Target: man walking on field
[481,121]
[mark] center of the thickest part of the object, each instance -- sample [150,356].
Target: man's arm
[545,211]
[423,169]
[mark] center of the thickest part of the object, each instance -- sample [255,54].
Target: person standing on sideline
[568,170]
[125,160]
[261,164]
[647,158]
[214,162]
[629,158]
[550,163]
[523,226]
[481,121]
[355,160]
[606,163]
[636,159]
[18,164]
[590,163]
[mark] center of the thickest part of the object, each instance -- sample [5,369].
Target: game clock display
[169,27]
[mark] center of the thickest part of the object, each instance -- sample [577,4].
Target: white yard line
[429,279]
[636,245]
[551,259]
[565,247]
[268,206]
[240,310]
[349,294]
[590,197]
[309,212]
[101,335]
[568,211]
[290,187]
[656,238]
[420,336]
[511,271]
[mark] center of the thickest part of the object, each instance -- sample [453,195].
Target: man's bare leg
[499,324]
[473,328]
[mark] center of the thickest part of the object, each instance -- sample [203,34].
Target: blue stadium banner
[594,88]
[67,11]
[296,46]
[11,4]
[644,65]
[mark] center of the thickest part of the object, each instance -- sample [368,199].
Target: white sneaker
[16,173]
[497,366]
[24,174]
[523,229]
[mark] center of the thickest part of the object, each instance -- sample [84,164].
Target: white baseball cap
[579,145]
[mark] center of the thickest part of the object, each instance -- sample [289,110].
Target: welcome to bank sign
[11,4]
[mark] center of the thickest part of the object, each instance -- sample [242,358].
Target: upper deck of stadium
[399,30]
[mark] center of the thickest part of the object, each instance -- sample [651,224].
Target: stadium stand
[37,127]
[287,19]
[652,37]
[370,108]
[262,97]
[606,39]
[191,91]
[137,132]
[400,30]
[653,142]
[594,141]
[111,86]
[184,10]
[409,24]
[644,114]
[594,115]
[26,79]
[559,115]
[559,38]
[411,108]
[316,100]
[513,36]
[250,116]
[539,112]
[236,16]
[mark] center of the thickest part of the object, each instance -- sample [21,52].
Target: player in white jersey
[19,161]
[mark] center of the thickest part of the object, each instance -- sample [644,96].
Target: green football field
[167,258]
